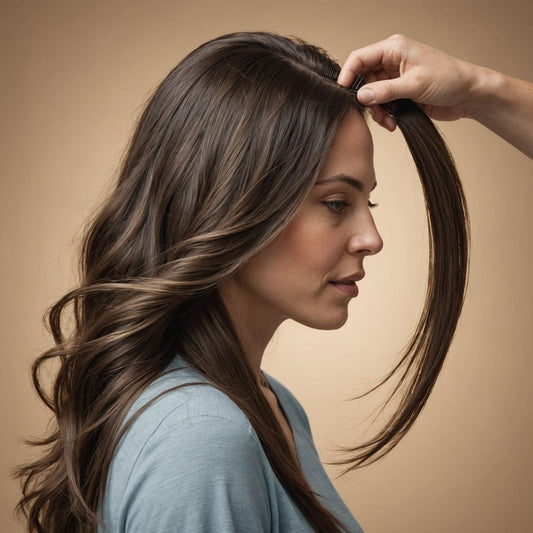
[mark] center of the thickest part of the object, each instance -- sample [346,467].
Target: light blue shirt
[192,462]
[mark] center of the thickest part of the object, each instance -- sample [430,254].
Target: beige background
[74,76]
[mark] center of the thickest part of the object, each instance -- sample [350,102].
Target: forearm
[505,105]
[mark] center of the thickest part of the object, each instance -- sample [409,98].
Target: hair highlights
[222,157]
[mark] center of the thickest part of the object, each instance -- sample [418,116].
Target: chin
[325,322]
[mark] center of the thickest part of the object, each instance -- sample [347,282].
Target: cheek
[308,249]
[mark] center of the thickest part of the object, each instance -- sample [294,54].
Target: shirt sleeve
[200,474]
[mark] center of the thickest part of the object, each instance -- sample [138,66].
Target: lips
[358,276]
[347,285]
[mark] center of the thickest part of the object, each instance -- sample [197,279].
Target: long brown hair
[225,152]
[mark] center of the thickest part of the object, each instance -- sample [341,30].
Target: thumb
[382,91]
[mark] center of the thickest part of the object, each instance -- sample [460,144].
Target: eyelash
[331,203]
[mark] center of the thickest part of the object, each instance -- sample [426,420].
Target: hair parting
[223,155]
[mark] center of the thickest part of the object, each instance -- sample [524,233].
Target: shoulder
[190,459]
[181,396]
[182,408]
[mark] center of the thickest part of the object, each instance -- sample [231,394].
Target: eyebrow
[344,178]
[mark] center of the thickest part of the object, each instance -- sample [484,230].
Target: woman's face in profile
[309,272]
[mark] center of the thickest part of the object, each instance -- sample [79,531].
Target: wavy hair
[223,155]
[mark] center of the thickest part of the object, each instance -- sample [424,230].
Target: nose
[365,239]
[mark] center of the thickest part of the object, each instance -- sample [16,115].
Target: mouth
[347,287]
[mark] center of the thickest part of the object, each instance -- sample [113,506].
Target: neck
[253,326]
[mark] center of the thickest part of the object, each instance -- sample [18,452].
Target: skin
[445,87]
[298,275]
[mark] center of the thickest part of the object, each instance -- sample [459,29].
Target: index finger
[380,55]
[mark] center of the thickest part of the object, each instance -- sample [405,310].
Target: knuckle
[399,37]
[386,90]
[353,59]
[399,41]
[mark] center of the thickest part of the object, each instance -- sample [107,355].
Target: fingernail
[365,95]
[390,124]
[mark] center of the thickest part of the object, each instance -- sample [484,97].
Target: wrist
[486,94]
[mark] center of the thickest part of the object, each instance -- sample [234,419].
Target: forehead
[352,151]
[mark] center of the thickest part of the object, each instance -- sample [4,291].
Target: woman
[243,200]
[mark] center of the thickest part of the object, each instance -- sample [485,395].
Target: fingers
[383,91]
[399,67]
[380,63]
[366,94]
[361,61]
[382,118]
[384,55]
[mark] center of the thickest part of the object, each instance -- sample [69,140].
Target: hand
[399,67]
[445,87]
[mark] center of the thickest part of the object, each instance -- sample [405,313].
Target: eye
[371,205]
[337,206]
